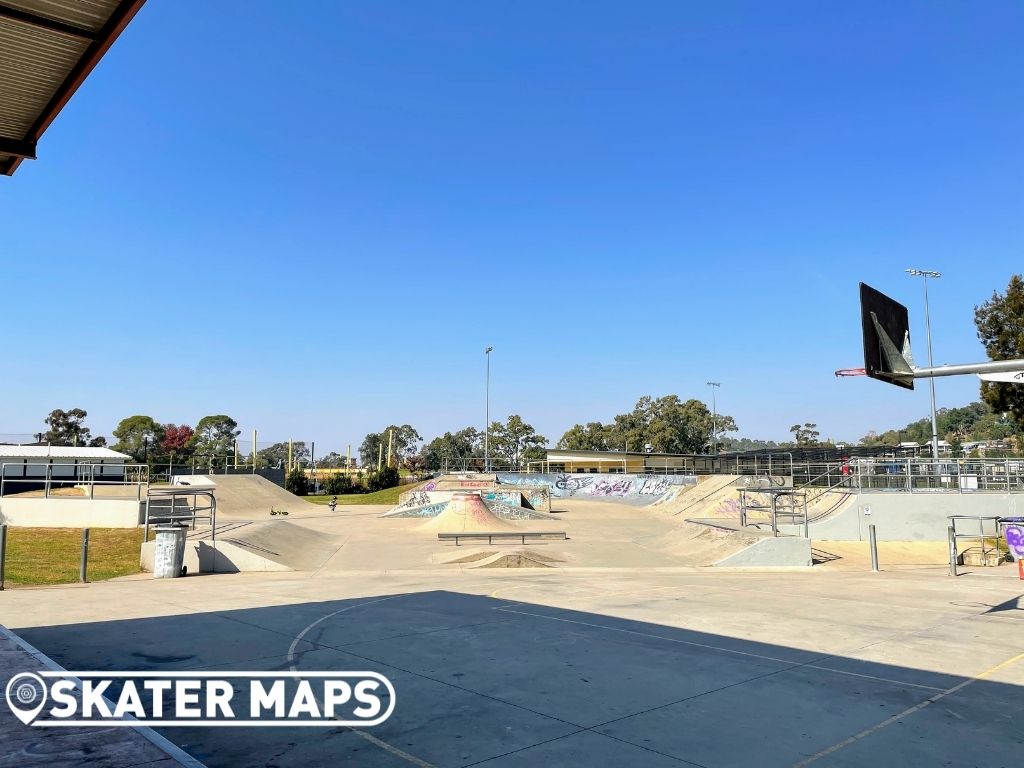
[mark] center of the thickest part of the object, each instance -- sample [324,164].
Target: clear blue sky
[314,217]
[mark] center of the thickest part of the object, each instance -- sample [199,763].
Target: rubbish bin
[169,551]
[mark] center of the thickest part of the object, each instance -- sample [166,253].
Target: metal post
[775,520]
[3,553]
[714,418]
[82,575]
[254,451]
[925,273]
[951,532]
[807,522]
[487,413]
[873,543]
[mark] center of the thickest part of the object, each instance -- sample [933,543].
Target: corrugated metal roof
[47,49]
[58,452]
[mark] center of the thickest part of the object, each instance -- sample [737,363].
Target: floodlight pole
[487,412]
[714,418]
[925,274]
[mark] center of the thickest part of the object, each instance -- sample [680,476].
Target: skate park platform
[638,667]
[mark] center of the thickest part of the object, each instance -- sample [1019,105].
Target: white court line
[723,650]
[391,748]
[905,713]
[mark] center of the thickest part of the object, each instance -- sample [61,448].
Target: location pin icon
[26,695]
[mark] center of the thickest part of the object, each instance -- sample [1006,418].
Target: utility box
[169,551]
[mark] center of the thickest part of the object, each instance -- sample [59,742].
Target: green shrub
[338,484]
[386,478]
[297,483]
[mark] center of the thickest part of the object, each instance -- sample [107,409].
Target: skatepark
[637,639]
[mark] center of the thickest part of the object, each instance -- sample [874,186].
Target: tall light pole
[714,417]
[487,413]
[926,273]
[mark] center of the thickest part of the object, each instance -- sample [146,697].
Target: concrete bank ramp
[276,545]
[712,543]
[252,497]
[289,545]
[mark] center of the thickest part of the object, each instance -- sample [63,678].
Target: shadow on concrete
[483,681]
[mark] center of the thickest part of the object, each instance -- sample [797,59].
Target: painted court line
[905,713]
[390,748]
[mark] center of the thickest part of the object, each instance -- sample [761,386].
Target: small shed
[28,467]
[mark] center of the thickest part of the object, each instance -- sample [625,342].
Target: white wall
[70,512]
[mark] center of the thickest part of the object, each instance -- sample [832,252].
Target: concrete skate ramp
[466,513]
[275,545]
[285,543]
[714,542]
[252,497]
[700,545]
[637,490]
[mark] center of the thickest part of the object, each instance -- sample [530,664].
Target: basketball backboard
[886,328]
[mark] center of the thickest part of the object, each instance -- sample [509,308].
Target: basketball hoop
[842,372]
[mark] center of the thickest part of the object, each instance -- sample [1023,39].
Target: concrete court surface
[590,667]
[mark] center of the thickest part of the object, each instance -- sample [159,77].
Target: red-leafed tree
[176,438]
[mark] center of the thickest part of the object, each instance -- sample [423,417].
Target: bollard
[873,542]
[952,551]
[3,553]
[85,557]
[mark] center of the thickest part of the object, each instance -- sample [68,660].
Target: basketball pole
[925,274]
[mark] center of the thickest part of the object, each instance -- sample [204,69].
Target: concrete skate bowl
[251,497]
[276,545]
[716,543]
[636,490]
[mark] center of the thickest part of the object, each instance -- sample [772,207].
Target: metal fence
[86,480]
[945,475]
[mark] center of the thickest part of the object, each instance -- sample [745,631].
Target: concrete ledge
[98,746]
[781,552]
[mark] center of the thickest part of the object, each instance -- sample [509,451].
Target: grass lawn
[387,496]
[52,555]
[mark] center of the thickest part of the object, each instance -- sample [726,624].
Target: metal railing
[22,478]
[962,528]
[782,503]
[180,504]
[945,475]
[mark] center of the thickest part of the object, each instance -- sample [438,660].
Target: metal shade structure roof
[47,50]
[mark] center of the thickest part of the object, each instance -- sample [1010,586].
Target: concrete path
[598,667]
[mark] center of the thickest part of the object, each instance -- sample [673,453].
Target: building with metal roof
[47,50]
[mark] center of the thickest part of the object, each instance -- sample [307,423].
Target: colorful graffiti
[631,489]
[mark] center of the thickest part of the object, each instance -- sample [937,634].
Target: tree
[214,436]
[806,436]
[666,424]
[68,428]
[516,441]
[177,439]
[404,443]
[332,460]
[277,454]
[1000,324]
[669,425]
[452,449]
[593,436]
[139,436]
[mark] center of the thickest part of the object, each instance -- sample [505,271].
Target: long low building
[29,467]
